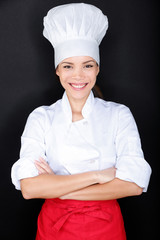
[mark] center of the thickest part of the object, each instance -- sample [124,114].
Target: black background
[129,75]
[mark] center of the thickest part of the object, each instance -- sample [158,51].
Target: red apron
[80,220]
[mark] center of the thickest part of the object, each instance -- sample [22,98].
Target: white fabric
[106,137]
[75,29]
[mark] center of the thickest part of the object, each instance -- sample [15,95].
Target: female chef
[81,153]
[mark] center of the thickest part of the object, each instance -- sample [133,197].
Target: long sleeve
[131,165]
[32,147]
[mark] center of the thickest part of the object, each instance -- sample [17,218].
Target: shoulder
[110,106]
[43,115]
[45,111]
[114,112]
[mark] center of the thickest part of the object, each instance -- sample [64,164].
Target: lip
[78,86]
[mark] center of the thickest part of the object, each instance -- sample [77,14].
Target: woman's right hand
[106,175]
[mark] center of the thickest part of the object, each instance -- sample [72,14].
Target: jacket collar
[87,108]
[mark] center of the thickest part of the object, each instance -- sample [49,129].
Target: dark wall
[129,75]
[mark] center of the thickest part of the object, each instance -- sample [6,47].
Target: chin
[79,94]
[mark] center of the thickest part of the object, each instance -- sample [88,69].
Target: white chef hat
[75,29]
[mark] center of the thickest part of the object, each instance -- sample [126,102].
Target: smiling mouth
[78,86]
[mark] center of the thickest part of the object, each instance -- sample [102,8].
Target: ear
[57,71]
[98,70]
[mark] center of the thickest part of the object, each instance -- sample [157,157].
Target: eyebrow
[83,62]
[67,63]
[89,61]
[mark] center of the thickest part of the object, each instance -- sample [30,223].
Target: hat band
[76,47]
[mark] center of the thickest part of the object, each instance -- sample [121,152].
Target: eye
[67,66]
[88,66]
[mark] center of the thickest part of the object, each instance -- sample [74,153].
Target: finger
[40,169]
[43,161]
[40,165]
[45,166]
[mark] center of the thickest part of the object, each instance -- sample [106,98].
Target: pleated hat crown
[75,29]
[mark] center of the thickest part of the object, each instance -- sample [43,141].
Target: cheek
[93,78]
[64,79]
[65,76]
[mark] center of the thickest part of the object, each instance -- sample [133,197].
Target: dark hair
[97,92]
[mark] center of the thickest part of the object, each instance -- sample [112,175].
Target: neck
[76,107]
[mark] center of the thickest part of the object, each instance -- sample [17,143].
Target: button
[92,161]
[85,123]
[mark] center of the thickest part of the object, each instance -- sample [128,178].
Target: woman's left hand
[43,167]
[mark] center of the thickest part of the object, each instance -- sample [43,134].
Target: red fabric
[80,220]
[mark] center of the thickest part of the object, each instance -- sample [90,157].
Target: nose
[78,73]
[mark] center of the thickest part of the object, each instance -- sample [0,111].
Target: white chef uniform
[107,136]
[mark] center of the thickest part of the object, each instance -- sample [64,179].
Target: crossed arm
[94,185]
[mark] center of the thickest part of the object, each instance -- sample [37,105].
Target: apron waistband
[89,208]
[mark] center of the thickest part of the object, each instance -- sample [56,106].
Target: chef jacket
[107,136]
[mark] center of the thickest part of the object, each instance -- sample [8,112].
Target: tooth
[78,86]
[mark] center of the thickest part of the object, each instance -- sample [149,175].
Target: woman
[81,153]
